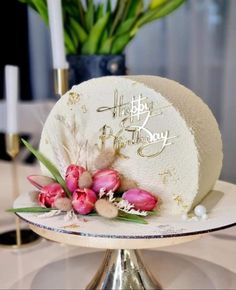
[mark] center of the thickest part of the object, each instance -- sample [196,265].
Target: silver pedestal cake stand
[123,267]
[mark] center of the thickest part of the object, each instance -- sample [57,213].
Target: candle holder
[17,238]
[61,81]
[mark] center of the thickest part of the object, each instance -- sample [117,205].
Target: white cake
[169,140]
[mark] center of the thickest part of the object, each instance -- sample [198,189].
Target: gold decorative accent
[73,98]
[84,109]
[60,81]
[180,202]
[178,199]
[12,145]
[136,116]
[165,175]
[72,226]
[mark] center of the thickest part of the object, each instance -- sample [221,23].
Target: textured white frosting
[182,174]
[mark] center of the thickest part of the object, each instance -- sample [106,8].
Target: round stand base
[8,239]
[174,271]
[123,269]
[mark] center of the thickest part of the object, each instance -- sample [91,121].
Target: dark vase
[85,67]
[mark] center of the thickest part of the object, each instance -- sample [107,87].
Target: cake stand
[122,267]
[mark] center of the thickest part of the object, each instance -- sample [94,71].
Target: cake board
[122,267]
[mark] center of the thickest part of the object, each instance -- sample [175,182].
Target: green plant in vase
[104,28]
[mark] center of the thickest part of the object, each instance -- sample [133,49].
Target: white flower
[127,207]
[50,214]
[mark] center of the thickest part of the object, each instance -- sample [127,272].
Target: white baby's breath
[127,207]
[50,214]
[70,216]
[102,193]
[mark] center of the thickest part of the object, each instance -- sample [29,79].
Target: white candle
[57,34]
[12,95]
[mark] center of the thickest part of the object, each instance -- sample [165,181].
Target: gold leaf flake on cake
[71,226]
[168,175]
[84,109]
[165,176]
[73,98]
[179,201]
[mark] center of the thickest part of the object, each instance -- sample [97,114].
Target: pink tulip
[40,181]
[73,174]
[49,193]
[83,200]
[141,199]
[108,179]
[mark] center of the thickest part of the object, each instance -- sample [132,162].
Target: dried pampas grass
[127,184]
[63,204]
[105,159]
[85,180]
[106,209]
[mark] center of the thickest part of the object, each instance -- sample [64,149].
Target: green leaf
[138,221]
[42,9]
[69,8]
[48,164]
[125,26]
[152,212]
[89,15]
[156,3]
[78,30]
[81,15]
[118,14]
[131,218]
[120,43]
[31,209]
[106,46]
[109,7]
[70,46]
[135,9]
[99,11]
[91,45]
[159,12]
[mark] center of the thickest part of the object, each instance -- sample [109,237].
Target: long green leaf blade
[42,9]
[120,43]
[48,164]
[135,9]
[125,26]
[159,12]
[118,14]
[89,15]
[100,11]
[131,218]
[106,46]
[79,31]
[30,209]
[156,3]
[91,45]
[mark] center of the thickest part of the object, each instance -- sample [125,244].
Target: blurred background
[194,45]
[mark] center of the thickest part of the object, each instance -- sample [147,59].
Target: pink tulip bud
[83,201]
[73,174]
[108,179]
[49,194]
[40,181]
[141,199]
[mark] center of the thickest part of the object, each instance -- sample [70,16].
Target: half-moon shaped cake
[167,138]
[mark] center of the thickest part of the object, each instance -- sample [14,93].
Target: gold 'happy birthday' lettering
[135,117]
